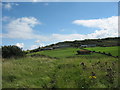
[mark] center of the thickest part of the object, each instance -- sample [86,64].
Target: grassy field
[112,50]
[65,72]
[59,53]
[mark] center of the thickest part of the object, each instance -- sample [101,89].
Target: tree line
[12,51]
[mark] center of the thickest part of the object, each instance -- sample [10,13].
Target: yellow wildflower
[93,76]
[90,76]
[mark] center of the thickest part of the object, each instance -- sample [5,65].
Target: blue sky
[29,25]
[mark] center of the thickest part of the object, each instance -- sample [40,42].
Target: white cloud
[37,41]
[68,37]
[8,6]
[22,28]
[42,44]
[34,47]
[20,45]
[107,27]
[105,23]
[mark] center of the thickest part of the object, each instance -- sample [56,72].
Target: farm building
[61,46]
[55,46]
[48,48]
[89,45]
[64,45]
[84,45]
[92,45]
[82,52]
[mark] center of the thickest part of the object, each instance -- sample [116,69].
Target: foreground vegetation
[67,70]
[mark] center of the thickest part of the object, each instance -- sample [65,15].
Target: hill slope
[66,72]
[105,42]
[113,41]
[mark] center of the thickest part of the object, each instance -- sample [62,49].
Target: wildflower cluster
[93,76]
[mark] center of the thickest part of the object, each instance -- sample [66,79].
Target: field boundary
[102,53]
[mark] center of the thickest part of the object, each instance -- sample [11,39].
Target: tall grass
[28,72]
[65,72]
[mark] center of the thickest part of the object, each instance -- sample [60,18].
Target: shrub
[109,54]
[103,52]
[99,52]
[83,51]
[12,51]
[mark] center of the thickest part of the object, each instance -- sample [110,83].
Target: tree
[12,51]
[109,54]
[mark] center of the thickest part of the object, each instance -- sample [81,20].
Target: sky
[29,25]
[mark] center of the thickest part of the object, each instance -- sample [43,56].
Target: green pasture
[59,53]
[113,50]
[65,53]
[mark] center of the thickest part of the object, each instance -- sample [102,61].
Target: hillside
[98,42]
[63,67]
[105,42]
[67,70]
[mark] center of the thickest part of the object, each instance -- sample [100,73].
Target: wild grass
[72,74]
[66,72]
[28,72]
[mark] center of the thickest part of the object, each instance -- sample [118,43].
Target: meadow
[67,70]
[113,50]
[58,53]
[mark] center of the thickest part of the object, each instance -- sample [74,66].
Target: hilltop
[104,42]
[114,41]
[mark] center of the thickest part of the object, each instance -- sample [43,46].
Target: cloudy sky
[32,24]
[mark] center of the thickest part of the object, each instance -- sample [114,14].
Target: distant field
[59,53]
[64,53]
[112,50]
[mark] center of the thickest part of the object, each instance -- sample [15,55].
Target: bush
[12,51]
[103,52]
[99,52]
[109,54]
